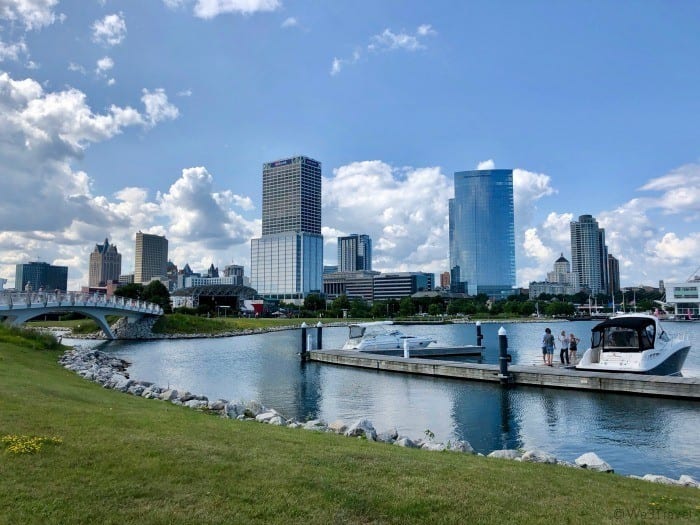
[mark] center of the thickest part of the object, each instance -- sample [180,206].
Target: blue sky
[119,116]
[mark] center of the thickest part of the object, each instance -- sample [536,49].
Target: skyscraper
[613,275]
[105,264]
[354,253]
[589,255]
[41,276]
[287,261]
[151,257]
[482,233]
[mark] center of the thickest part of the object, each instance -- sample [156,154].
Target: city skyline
[108,127]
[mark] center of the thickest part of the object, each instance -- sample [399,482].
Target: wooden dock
[542,376]
[435,351]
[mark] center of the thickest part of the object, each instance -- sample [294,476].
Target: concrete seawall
[663,386]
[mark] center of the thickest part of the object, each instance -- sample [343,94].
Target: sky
[157,115]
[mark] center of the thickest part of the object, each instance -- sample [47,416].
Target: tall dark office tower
[151,257]
[613,275]
[354,253]
[105,264]
[287,261]
[41,276]
[482,233]
[589,255]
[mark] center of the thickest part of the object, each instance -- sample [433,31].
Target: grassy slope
[130,460]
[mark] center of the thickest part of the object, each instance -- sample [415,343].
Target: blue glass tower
[482,233]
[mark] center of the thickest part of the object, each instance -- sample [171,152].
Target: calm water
[636,435]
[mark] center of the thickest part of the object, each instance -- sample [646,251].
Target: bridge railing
[12,300]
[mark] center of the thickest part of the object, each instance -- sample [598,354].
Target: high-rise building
[41,276]
[613,275]
[105,265]
[287,261]
[589,255]
[151,257]
[445,280]
[354,253]
[482,233]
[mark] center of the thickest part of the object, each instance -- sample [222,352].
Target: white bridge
[17,308]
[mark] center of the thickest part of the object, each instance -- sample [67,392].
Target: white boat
[372,337]
[634,343]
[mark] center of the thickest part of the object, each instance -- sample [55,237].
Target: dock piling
[503,356]
[319,335]
[406,349]
[479,336]
[304,347]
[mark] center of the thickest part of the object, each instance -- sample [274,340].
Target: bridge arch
[19,308]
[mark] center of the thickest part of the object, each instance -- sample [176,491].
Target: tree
[434,309]
[406,307]
[359,308]
[341,303]
[130,291]
[156,292]
[314,302]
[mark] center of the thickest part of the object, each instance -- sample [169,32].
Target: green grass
[123,459]
[190,324]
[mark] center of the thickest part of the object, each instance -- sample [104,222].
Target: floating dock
[542,376]
[434,351]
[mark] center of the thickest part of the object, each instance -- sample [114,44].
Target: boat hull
[670,366]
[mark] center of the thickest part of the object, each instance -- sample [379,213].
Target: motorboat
[634,343]
[372,337]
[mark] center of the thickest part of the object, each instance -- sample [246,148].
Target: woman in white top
[564,345]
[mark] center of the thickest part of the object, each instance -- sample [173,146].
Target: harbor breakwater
[112,373]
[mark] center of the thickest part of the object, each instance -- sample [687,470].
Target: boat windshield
[356,331]
[624,336]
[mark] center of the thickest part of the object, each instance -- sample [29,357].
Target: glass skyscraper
[287,261]
[589,254]
[482,233]
[41,276]
[354,253]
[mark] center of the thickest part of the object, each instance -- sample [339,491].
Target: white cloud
[195,211]
[109,31]
[290,22]
[158,108]
[104,64]
[486,165]
[408,233]
[426,30]
[388,40]
[12,51]
[212,8]
[339,63]
[41,134]
[184,93]
[34,14]
[76,67]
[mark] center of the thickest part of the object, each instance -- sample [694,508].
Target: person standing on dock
[564,348]
[573,347]
[549,344]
